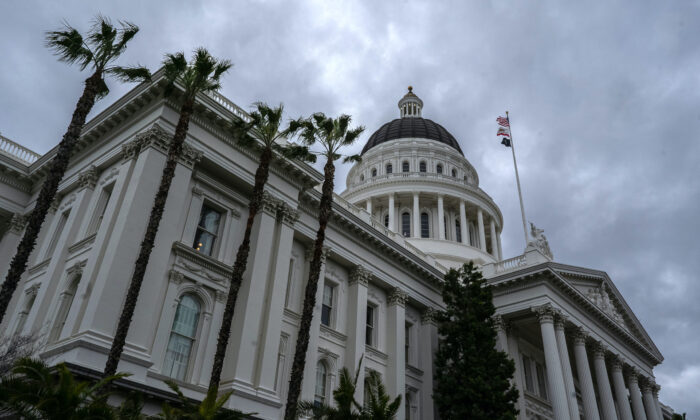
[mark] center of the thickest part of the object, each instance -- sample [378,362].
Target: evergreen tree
[472,376]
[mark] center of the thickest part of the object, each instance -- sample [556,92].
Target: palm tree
[103,45]
[211,408]
[36,391]
[261,132]
[380,406]
[201,76]
[346,407]
[332,135]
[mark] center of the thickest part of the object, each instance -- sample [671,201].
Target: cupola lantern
[410,106]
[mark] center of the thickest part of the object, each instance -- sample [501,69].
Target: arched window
[65,303]
[374,172]
[22,318]
[404,166]
[458,231]
[424,225]
[389,168]
[444,224]
[473,238]
[321,380]
[423,167]
[439,168]
[182,337]
[454,173]
[362,178]
[406,224]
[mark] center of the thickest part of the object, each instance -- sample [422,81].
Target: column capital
[176,277]
[580,336]
[309,254]
[159,139]
[220,296]
[632,375]
[360,275]
[500,323]
[615,363]
[645,385]
[429,316]
[545,313]
[560,320]
[269,204]
[18,223]
[88,178]
[655,388]
[599,350]
[397,297]
[53,207]
[287,215]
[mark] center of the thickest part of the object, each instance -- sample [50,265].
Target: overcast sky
[604,100]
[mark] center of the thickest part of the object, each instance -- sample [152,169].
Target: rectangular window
[424,225]
[57,234]
[406,224]
[207,230]
[100,208]
[290,278]
[369,328]
[407,344]
[541,382]
[327,305]
[527,371]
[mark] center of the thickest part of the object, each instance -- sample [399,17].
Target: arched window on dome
[374,172]
[438,168]
[389,168]
[447,232]
[404,166]
[386,220]
[458,231]
[406,224]
[423,167]
[424,225]
[454,173]
[362,177]
[182,337]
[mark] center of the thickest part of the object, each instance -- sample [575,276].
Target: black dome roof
[411,127]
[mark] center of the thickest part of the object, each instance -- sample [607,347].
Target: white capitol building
[412,208]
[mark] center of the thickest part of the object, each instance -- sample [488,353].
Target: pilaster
[396,365]
[357,321]
[428,347]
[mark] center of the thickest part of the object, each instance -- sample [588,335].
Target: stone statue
[539,241]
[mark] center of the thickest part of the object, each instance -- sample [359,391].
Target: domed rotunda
[415,179]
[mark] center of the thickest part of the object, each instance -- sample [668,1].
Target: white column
[565,364]
[482,234]
[514,352]
[369,205]
[636,395]
[392,213]
[357,324]
[655,393]
[463,222]
[416,216]
[244,344]
[494,241]
[648,399]
[441,218]
[502,336]
[590,407]
[428,346]
[500,250]
[623,405]
[274,304]
[555,378]
[309,381]
[396,347]
[604,391]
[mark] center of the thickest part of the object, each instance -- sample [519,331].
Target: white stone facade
[578,348]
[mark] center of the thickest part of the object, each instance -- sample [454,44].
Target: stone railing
[17,152]
[530,257]
[363,215]
[226,103]
[417,176]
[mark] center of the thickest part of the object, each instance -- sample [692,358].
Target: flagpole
[517,179]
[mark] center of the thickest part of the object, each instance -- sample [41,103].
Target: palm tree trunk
[49,189]
[261,176]
[297,375]
[174,152]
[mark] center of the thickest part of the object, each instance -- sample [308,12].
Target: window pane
[389,168]
[458,231]
[423,167]
[424,226]
[328,295]
[406,224]
[326,315]
[186,317]
[404,167]
[203,241]
[320,392]
[177,356]
[369,329]
[527,370]
[209,219]
[542,385]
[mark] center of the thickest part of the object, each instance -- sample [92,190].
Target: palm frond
[130,74]
[299,152]
[69,46]
[127,33]
[352,159]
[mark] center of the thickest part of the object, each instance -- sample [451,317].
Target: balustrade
[20,153]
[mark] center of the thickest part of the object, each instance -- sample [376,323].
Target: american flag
[503,121]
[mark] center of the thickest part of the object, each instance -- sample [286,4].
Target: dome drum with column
[412,175]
